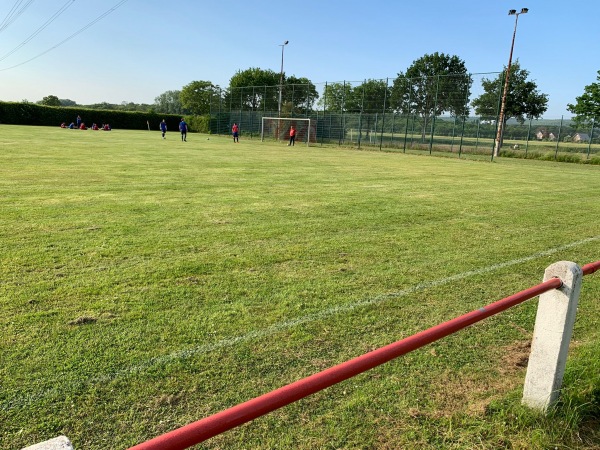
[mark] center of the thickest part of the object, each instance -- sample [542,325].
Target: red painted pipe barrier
[591,268]
[208,427]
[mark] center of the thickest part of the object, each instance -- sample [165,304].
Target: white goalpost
[278,129]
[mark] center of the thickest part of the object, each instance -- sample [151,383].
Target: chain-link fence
[428,114]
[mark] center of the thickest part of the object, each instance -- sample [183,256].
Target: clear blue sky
[146,47]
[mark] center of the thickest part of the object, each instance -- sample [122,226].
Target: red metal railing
[590,268]
[208,427]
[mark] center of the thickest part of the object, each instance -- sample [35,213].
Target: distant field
[470,147]
[147,283]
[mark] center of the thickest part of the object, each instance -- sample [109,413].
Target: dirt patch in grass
[471,393]
[83,320]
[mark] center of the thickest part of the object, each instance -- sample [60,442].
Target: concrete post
[551,336]
[59,443]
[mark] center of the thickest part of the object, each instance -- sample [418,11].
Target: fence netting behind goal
[278,129]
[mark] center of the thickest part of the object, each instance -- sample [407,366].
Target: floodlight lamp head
[286,43]
[512,12]
[524,10]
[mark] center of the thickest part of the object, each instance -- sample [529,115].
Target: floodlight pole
[500,132]
[281,77]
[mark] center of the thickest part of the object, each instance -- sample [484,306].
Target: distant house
[581,137]
[551,137]
[541,134]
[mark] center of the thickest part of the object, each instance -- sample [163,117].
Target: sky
[134,50]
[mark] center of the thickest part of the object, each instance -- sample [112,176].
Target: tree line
[433,85]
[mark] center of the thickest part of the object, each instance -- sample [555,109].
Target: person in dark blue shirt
[163,128]
[183,127]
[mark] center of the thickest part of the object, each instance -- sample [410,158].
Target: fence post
[551,336]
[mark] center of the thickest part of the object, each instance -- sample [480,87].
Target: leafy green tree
[335,97]
[196,97]
[169,103]
[67,102]
[370,97]
[253,89]
[50,100]
[432,85]
[523,99]
[299,95]
[587,107]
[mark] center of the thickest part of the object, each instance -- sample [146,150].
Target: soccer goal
[278,129]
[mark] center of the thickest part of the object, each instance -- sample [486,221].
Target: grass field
[148,283]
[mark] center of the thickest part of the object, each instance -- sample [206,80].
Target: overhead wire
[78,32]
[40,29]
[14,13]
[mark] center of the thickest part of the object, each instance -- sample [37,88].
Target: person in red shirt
[235,132]
[292,136]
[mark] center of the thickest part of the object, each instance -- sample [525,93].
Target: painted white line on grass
[69,387]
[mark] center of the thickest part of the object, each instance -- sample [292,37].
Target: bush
[569,157]
[594,160]
[199,124]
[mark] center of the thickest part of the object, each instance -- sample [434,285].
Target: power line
[40,29]
[14,13]
[81,30]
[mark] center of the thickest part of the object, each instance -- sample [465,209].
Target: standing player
[235,132]
[183,127]
[163,128]
[292,136]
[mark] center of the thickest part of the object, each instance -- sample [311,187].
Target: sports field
[147,283]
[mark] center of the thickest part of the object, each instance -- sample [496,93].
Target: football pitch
[148,283]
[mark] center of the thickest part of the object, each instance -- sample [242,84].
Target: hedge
[32,114]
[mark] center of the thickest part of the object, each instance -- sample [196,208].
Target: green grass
[148,283]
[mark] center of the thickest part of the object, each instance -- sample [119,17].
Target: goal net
[278,129]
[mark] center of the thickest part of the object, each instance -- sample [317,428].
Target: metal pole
[343,111]
[362,106]
[387,81]
[437,88]
[453,132]
[281,77]
[591,137]
[477,136]
[558,138]
[497,122]
[462,135]
[503,104]
[407,117]
[528,135]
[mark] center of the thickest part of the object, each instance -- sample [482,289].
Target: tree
[50,100]
[335,97]
[253,89]
[370,97]
[587,108]
[196,97]
[299,95]
[67,102]
[168,102]
[523,100]
[432,85]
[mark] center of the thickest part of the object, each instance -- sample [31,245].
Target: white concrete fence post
[551,336]
[58,443]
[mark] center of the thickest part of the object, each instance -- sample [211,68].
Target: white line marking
[70,386]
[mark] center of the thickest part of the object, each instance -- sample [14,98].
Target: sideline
[71,386]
